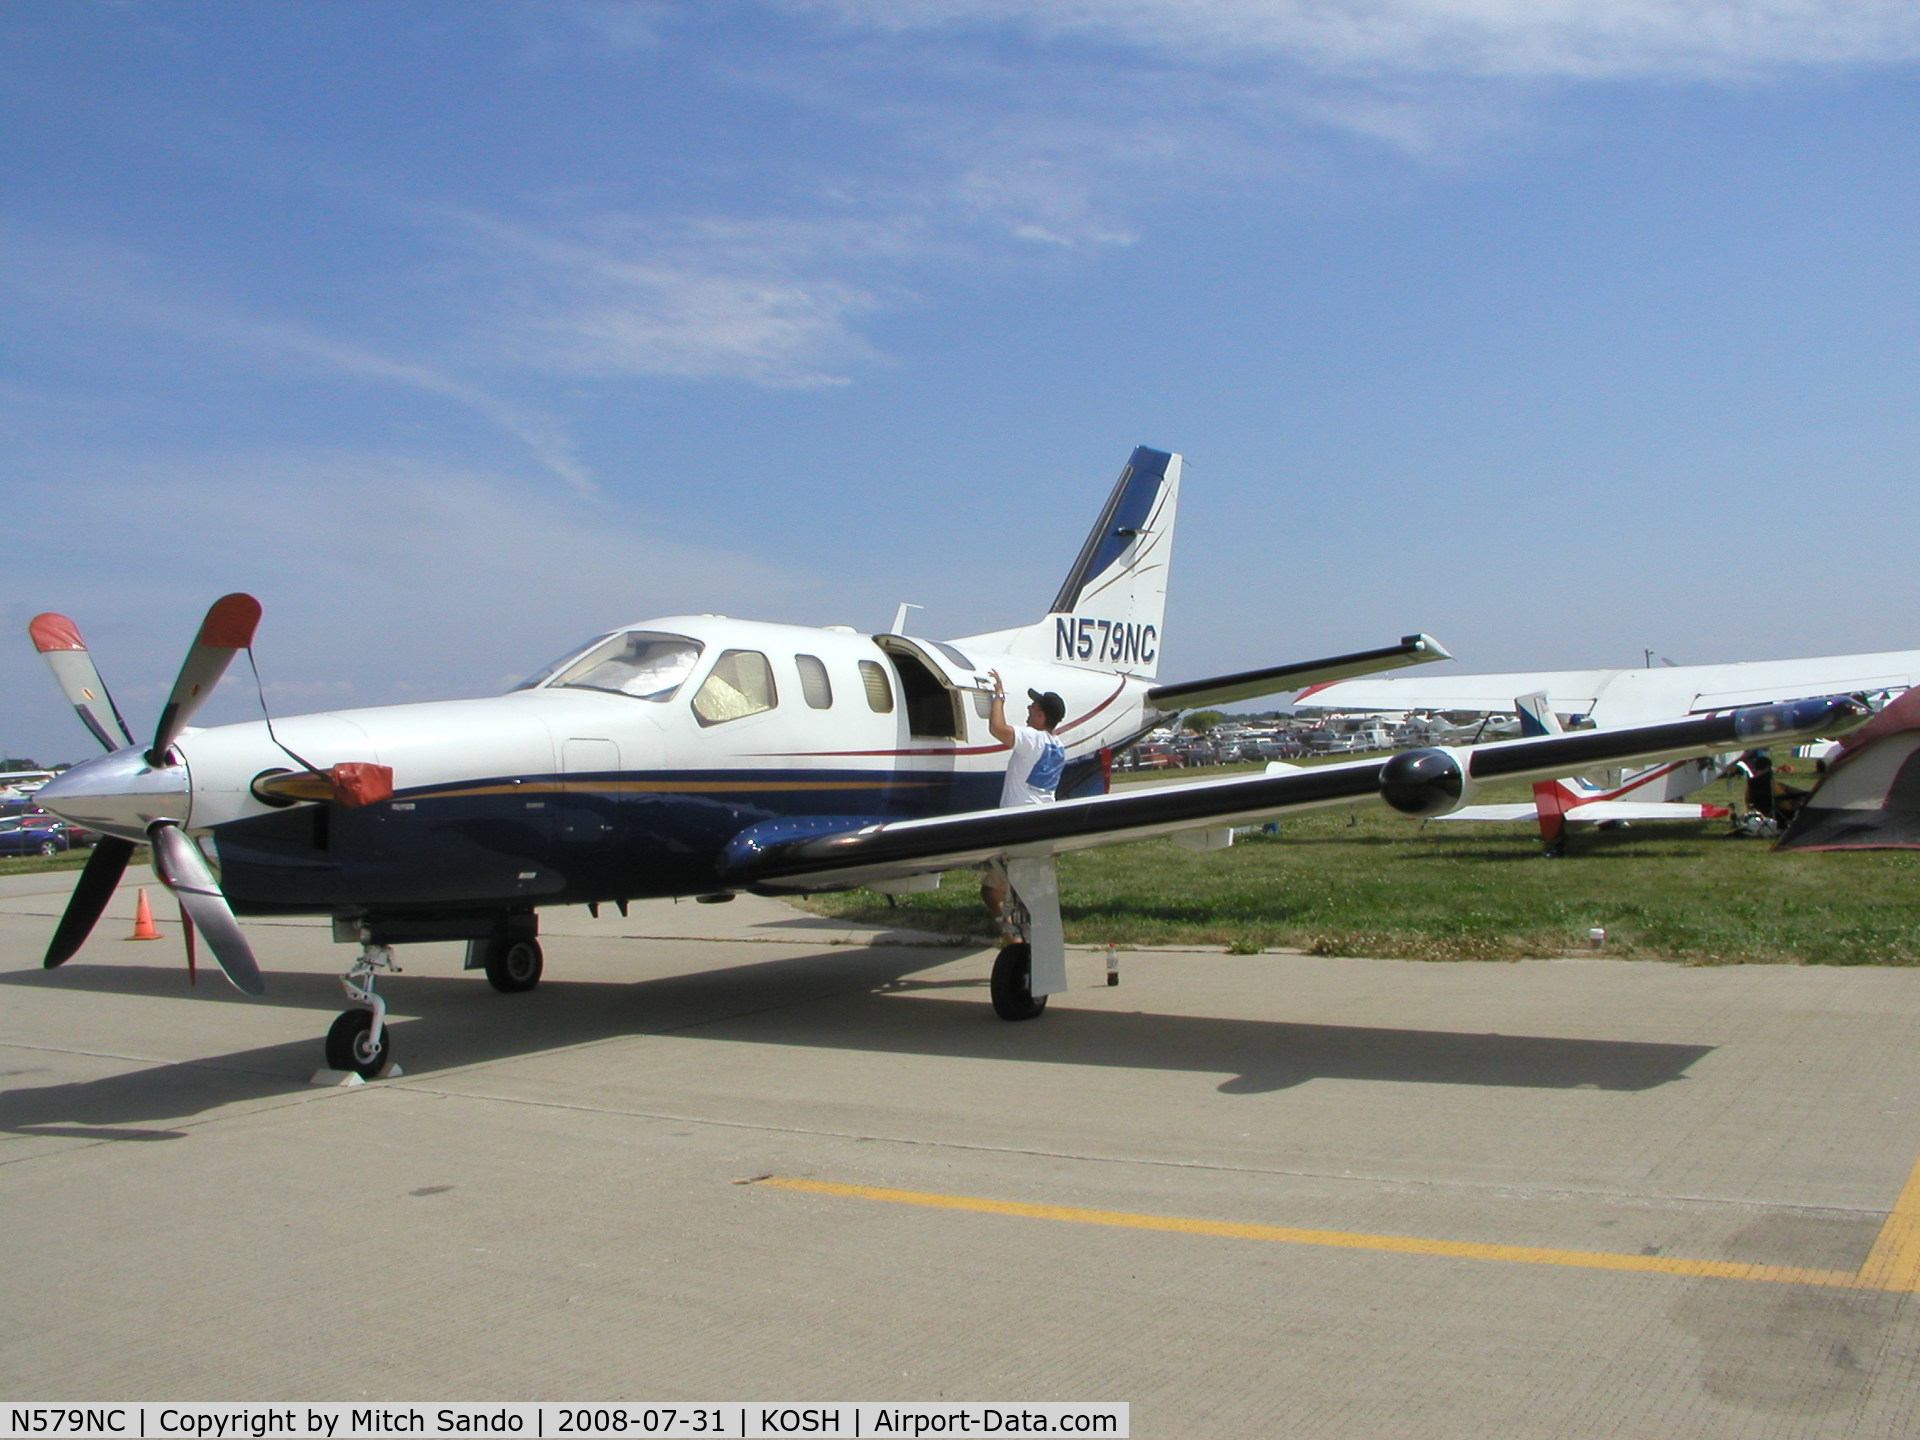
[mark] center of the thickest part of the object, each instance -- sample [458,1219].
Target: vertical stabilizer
[1536,715]
[1111,608]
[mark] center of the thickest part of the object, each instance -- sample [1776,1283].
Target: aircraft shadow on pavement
[843,999]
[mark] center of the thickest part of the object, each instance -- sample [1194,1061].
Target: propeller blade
[95,887]
[179,863]
[186,934]
[228,627]
[58,638]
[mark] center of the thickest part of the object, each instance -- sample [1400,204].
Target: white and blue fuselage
[605,780]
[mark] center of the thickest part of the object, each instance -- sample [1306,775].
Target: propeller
[177,860]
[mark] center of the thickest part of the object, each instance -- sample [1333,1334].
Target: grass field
[28,864]
[1361,881]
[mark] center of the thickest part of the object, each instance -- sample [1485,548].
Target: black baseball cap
[1051,706]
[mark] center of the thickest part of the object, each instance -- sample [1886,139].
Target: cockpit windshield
[552,667]
[640,663]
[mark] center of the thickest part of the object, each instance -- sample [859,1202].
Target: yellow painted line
[1893,1265]
[1894,1261]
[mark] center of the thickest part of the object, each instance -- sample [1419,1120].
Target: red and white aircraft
[1651,793]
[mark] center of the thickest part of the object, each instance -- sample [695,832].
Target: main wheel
[1012,984]
[49,847]
[514,965]
[350,1044]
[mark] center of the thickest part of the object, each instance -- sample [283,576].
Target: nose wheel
[353,1045]
[358,1042]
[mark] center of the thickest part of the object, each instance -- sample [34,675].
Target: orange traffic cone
[143,920]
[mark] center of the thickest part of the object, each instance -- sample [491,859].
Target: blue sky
[457,332]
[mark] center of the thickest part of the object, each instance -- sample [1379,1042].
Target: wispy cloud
[770,300]
[118,289]
[384,578]
[1529,39]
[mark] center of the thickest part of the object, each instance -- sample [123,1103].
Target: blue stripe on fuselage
[552,839]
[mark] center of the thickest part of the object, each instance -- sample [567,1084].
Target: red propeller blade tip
[230,623]
[54,632]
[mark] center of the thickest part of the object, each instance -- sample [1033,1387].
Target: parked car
[77,837]
[33,835]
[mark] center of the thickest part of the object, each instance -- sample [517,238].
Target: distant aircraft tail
[1110,610]
[1536,715]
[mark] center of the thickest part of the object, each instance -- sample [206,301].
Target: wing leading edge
[823,852]
[1251,684]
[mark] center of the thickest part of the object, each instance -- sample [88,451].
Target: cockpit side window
[640,663]
[740,684]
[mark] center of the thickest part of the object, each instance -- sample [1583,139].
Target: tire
[514,966]
[1012,984]
[49,847]
[347,1047]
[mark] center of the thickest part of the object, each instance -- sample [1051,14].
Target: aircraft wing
[1277,679]
[1631,697]
[819,853]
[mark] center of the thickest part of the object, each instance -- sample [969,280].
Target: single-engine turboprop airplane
[699,755]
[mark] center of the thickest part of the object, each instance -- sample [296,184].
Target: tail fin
[1109,612]
[1536,715]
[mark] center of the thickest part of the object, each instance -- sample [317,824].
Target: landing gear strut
[359,1040]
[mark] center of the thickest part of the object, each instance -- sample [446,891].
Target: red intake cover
[357,783]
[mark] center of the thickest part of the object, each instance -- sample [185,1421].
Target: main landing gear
[512,966]
[1033,963]
[1012,984]
[359,1041]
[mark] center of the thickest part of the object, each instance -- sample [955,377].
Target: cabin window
[640,663]
[740,684]
[983,704]
[814,684]
[879,692]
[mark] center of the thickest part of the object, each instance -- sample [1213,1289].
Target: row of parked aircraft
[702,755]
[1620,697]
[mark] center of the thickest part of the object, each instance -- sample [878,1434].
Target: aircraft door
[930,697]
[590,766]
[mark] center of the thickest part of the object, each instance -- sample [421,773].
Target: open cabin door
[936,687]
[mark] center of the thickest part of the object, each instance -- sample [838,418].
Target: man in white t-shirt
[1033,770]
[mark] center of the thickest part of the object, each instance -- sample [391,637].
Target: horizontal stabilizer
[1251,684]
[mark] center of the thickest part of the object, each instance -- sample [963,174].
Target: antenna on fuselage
[900,617]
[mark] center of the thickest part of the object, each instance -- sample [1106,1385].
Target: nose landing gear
[359,1042]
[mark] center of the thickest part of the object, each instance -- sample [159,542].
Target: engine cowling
[1424,783]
